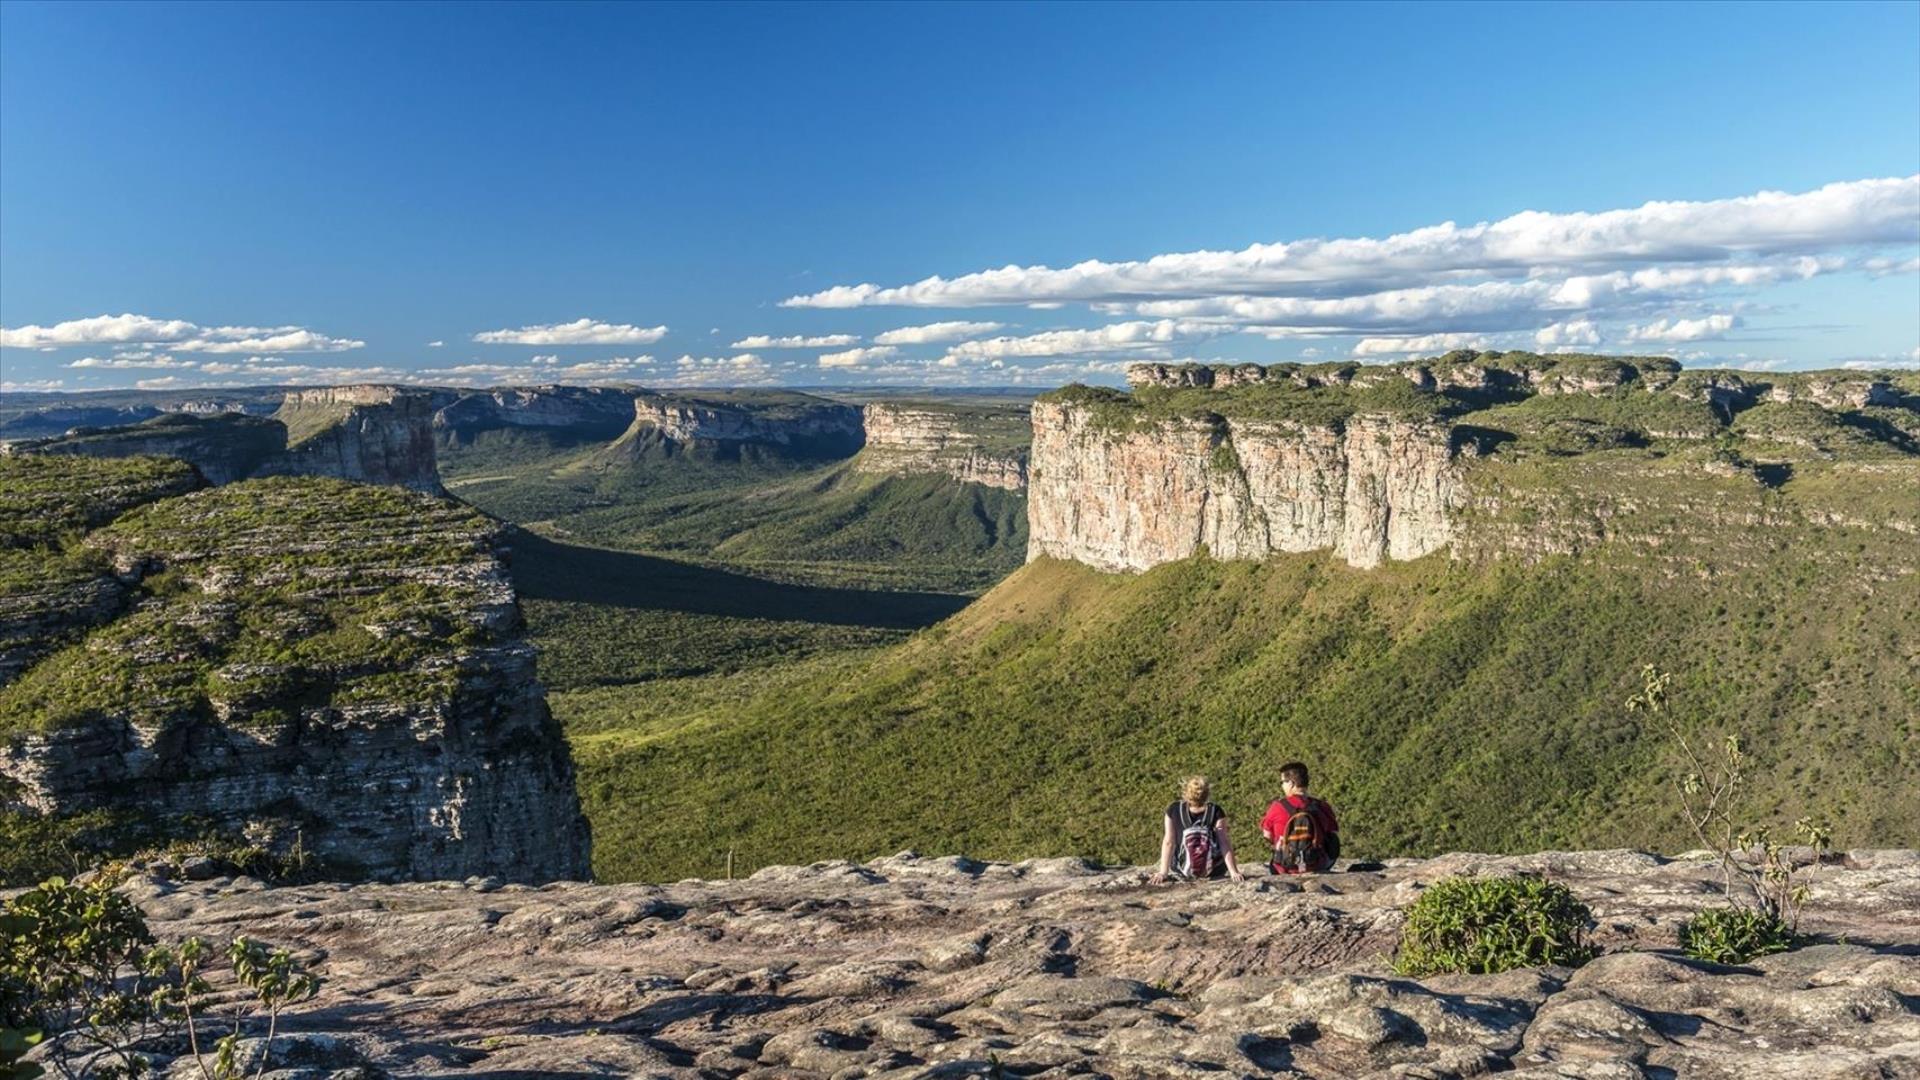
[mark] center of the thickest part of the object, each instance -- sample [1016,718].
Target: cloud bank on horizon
[1662,275]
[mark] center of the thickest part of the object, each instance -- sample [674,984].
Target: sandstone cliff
[1369,488]
[306,660]
[911,967]
[974,446]
[371,434]
[1481,453]
[728,423]
[223,448]
[586,411]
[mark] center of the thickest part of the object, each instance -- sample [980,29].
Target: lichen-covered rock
[52,589]
[1091,973]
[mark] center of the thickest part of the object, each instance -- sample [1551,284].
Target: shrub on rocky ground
[81,971]
[1486,925]
[1735,935]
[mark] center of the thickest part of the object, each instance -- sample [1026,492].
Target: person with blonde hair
[1194,843]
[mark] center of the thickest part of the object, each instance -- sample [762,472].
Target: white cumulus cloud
[1146,338]
[853,358]
[794,341]
[577,332]
[126,361]
[1709,326]
[177,335]
[1422,344]
[1840,215]
[936,333]
[1570,333]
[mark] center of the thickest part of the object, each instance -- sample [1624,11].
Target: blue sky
[217,195]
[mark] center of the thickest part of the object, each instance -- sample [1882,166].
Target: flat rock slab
[912,967]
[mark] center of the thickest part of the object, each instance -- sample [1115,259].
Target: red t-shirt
[1275,822]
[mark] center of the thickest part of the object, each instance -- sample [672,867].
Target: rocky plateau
[903,439]
[1402,460]
[369,434]
[945,967]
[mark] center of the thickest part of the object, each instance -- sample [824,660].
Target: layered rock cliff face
[223,448]
[588,411]
[1369,488]
[913,967]
[726,424]
[370,434]
[1473,453]
[300,659]
[28,417]
[972,446]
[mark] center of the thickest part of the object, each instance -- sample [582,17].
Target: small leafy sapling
[80,969]
[1758,873]
[276,981]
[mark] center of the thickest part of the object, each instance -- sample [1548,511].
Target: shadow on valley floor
[545,569]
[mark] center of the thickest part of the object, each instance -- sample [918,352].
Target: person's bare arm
[1226,851]
[1166,853]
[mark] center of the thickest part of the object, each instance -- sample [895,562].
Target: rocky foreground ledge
[923,967]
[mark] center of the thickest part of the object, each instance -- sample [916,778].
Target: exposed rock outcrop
[972,446]
[223,447]
[1832,392]
[1370,488]
[727,424]
[924,967]
[21,418]
[370,434]
[588,411]
[334,662]
[50,592]
[1458,453]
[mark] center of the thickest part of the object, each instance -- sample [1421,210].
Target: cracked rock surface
[924,967]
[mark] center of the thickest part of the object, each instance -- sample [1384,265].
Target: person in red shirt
[1302,829]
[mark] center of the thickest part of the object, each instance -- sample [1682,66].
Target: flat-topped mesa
[223,447]
[590,411]
[724,423]
[336,665]
[972,446]
[1475,453]
[370,434]
[1370,487]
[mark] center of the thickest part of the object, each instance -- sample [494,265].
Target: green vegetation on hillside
[1443,706]
[782,513]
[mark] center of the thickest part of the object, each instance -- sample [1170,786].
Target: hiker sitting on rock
[1195,843]
[1304,833]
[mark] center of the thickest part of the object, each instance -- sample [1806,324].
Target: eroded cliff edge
[293,660]
[915,967]
[1474,453]
[369,434]
[972,445]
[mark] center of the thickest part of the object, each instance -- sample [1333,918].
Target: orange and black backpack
[1304,846]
